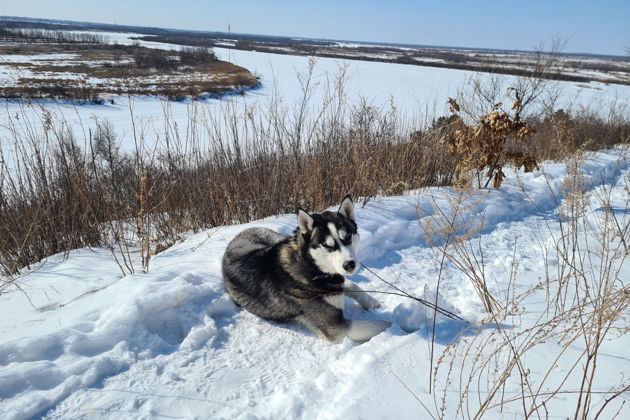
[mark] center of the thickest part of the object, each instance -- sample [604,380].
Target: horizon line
[401,44]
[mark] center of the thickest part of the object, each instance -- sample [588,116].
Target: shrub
[196,55]
[496,140]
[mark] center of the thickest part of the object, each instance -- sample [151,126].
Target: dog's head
[331,238]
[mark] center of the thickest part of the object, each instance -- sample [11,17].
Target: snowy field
[417,93]
[81,340]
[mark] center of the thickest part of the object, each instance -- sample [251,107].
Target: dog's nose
[349,266]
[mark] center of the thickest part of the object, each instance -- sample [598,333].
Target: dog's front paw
[367,302]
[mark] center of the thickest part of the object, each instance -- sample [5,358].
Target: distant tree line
[42,35]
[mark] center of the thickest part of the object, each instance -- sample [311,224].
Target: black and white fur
[301,277]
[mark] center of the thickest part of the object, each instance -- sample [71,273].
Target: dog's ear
[346,208]
[305,221]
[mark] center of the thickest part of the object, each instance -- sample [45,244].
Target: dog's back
[253,276]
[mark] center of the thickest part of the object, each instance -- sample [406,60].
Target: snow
[416,92]
[9,74]
[78,338]
[20,58]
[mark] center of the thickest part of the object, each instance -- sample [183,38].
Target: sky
[598,27]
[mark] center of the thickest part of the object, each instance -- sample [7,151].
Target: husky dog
[301,277]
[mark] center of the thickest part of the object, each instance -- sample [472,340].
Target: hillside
[80,338]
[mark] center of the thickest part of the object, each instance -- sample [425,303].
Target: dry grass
[488,373]
[232,168]
[583,251]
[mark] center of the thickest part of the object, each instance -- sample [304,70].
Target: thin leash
[401,292]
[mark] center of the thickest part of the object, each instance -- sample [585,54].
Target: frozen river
[417,93]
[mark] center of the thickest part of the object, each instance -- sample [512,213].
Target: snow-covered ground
[78,339]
